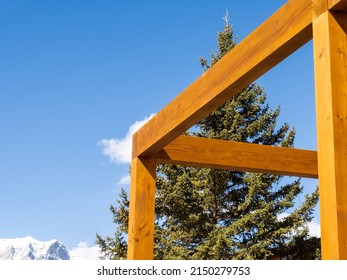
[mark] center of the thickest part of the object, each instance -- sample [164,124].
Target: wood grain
[319,7]
[330,56]
[141,213]
[236,156]
[279,36]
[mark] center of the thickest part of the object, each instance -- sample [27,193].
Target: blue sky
[75,72]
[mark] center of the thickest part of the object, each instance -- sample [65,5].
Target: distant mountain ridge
[28,248]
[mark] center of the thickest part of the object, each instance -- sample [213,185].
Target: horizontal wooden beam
[237,156]
[278,37]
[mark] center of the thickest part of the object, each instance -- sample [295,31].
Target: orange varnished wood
[283,33]
[141,216]
[330,56]
[230,155]
[319,7]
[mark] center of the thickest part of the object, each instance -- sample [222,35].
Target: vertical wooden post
[141,214]
[330,56]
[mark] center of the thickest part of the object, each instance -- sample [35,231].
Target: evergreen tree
[116,248]
[216,214]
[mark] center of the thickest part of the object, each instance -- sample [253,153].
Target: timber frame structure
[161,141]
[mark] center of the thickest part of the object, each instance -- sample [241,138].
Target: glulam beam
[237,156]
[283,33]
[330,59]
[141,212]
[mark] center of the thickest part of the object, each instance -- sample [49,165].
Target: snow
[28,248]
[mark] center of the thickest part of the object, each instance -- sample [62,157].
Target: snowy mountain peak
[28,248]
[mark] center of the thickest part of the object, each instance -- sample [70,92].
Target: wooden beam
[330,56]
[141,213]
[279,36]
[237,156]
[319,7]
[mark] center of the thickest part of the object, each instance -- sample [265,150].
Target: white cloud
[282,216]
[124,181]
[84,252]
[314,228]
[119,150]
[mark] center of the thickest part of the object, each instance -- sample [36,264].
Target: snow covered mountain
[28,248]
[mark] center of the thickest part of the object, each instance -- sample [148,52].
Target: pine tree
[116,248]
[216,214]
